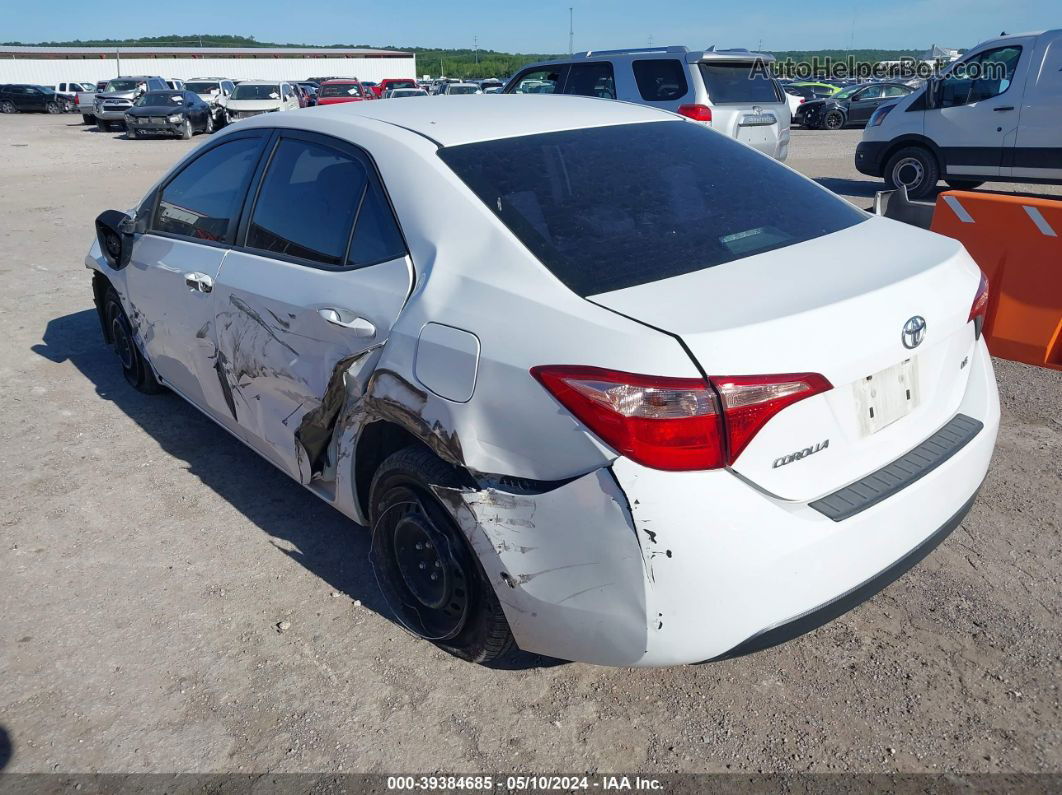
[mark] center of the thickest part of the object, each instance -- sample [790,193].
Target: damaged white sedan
[599,380]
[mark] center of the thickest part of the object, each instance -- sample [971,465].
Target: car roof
[262,82]
[462,119]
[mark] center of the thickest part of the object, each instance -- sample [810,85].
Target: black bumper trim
[868,157]
[901,473]
[823,614]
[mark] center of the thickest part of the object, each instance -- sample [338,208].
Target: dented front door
[318,285]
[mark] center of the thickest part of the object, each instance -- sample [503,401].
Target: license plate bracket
[887,396]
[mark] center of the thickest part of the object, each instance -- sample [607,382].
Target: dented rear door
[318,281]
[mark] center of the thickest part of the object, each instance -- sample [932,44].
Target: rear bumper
[868,158]
[634,566]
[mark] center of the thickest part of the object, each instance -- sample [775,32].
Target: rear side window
[307,203]
[591,80]
[204,198]
[737,82]
[685,199]
[661,79]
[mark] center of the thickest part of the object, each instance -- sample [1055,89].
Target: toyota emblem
[914,331]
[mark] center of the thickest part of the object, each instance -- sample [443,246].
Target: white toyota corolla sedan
[598,380]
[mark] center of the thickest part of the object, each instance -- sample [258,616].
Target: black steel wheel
[427,572]
[134,367]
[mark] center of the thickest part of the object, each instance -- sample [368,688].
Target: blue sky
[543,26]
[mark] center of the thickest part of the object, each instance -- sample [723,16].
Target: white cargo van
[728,90]
[995,115]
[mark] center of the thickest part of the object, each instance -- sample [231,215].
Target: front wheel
[86,119]
[186,130]
[208,128]
[964,184]
[834,120]
[915,168]
[53,107]
[134,367]
[426,569]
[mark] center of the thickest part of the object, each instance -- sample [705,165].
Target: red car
[393,82]
[333,92]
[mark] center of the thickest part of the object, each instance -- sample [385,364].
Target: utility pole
[571,32]
[118,56]
[475,46]
[650,41]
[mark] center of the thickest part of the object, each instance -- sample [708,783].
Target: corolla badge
[914,331]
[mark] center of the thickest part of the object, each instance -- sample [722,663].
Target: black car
[22,97]
[851,107]
[179,113]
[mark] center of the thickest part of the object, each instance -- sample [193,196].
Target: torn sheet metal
[566,565]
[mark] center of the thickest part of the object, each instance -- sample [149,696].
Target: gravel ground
[146,561]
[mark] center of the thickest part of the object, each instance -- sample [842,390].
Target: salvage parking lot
[148,563]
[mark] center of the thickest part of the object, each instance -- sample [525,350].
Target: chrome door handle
[199,282]
[359,325]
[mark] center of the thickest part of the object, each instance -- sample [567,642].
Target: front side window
[985,75]
[202,87]
[661,79]
[873,92]
[541,81]
[737,82]
[685,199]
[204,199]
[591,80]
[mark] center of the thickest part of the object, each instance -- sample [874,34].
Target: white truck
[995,115]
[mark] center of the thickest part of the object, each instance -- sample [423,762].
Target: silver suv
[118,97]
[731,91]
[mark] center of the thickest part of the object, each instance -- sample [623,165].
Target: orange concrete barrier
[1017,241]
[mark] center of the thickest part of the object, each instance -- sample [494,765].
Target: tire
[834,120]
[914,167]
[132,134]
[52,107]
[208,128]
[134,367]
[102,126]
[186,130]
[964,184]
[7,106]
[87,119]
[412,533]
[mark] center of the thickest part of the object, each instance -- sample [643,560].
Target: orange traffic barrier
[1017,241]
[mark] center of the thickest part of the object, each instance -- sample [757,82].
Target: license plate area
[887,396]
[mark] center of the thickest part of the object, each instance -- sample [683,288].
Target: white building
[51,65]
[936,53]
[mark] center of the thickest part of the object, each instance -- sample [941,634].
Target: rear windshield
[605,208]
[160,98]
[340,90]
[125,85]
[738,82]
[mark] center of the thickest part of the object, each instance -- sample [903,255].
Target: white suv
[729,90]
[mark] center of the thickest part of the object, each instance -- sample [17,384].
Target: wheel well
[377,441]
[100,285]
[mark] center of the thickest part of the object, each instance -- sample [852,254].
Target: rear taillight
[675,423]
[979,310]
[695,112]
[749,401]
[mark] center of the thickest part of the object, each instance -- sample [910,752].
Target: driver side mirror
[115,230]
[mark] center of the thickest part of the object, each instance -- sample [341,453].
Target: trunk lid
[835,305]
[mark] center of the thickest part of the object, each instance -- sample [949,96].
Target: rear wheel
[429,575]
[134,367]
[7,106]
[964,184]
[834,120]
[915,168]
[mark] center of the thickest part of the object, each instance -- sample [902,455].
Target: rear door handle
[1003,108]
[199,282]
[347,319]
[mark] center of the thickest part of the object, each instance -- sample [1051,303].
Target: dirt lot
[146,560]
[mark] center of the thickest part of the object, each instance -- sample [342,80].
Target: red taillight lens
[675,423]
[663,423]
[695,112]
[979,310]
[749,401]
